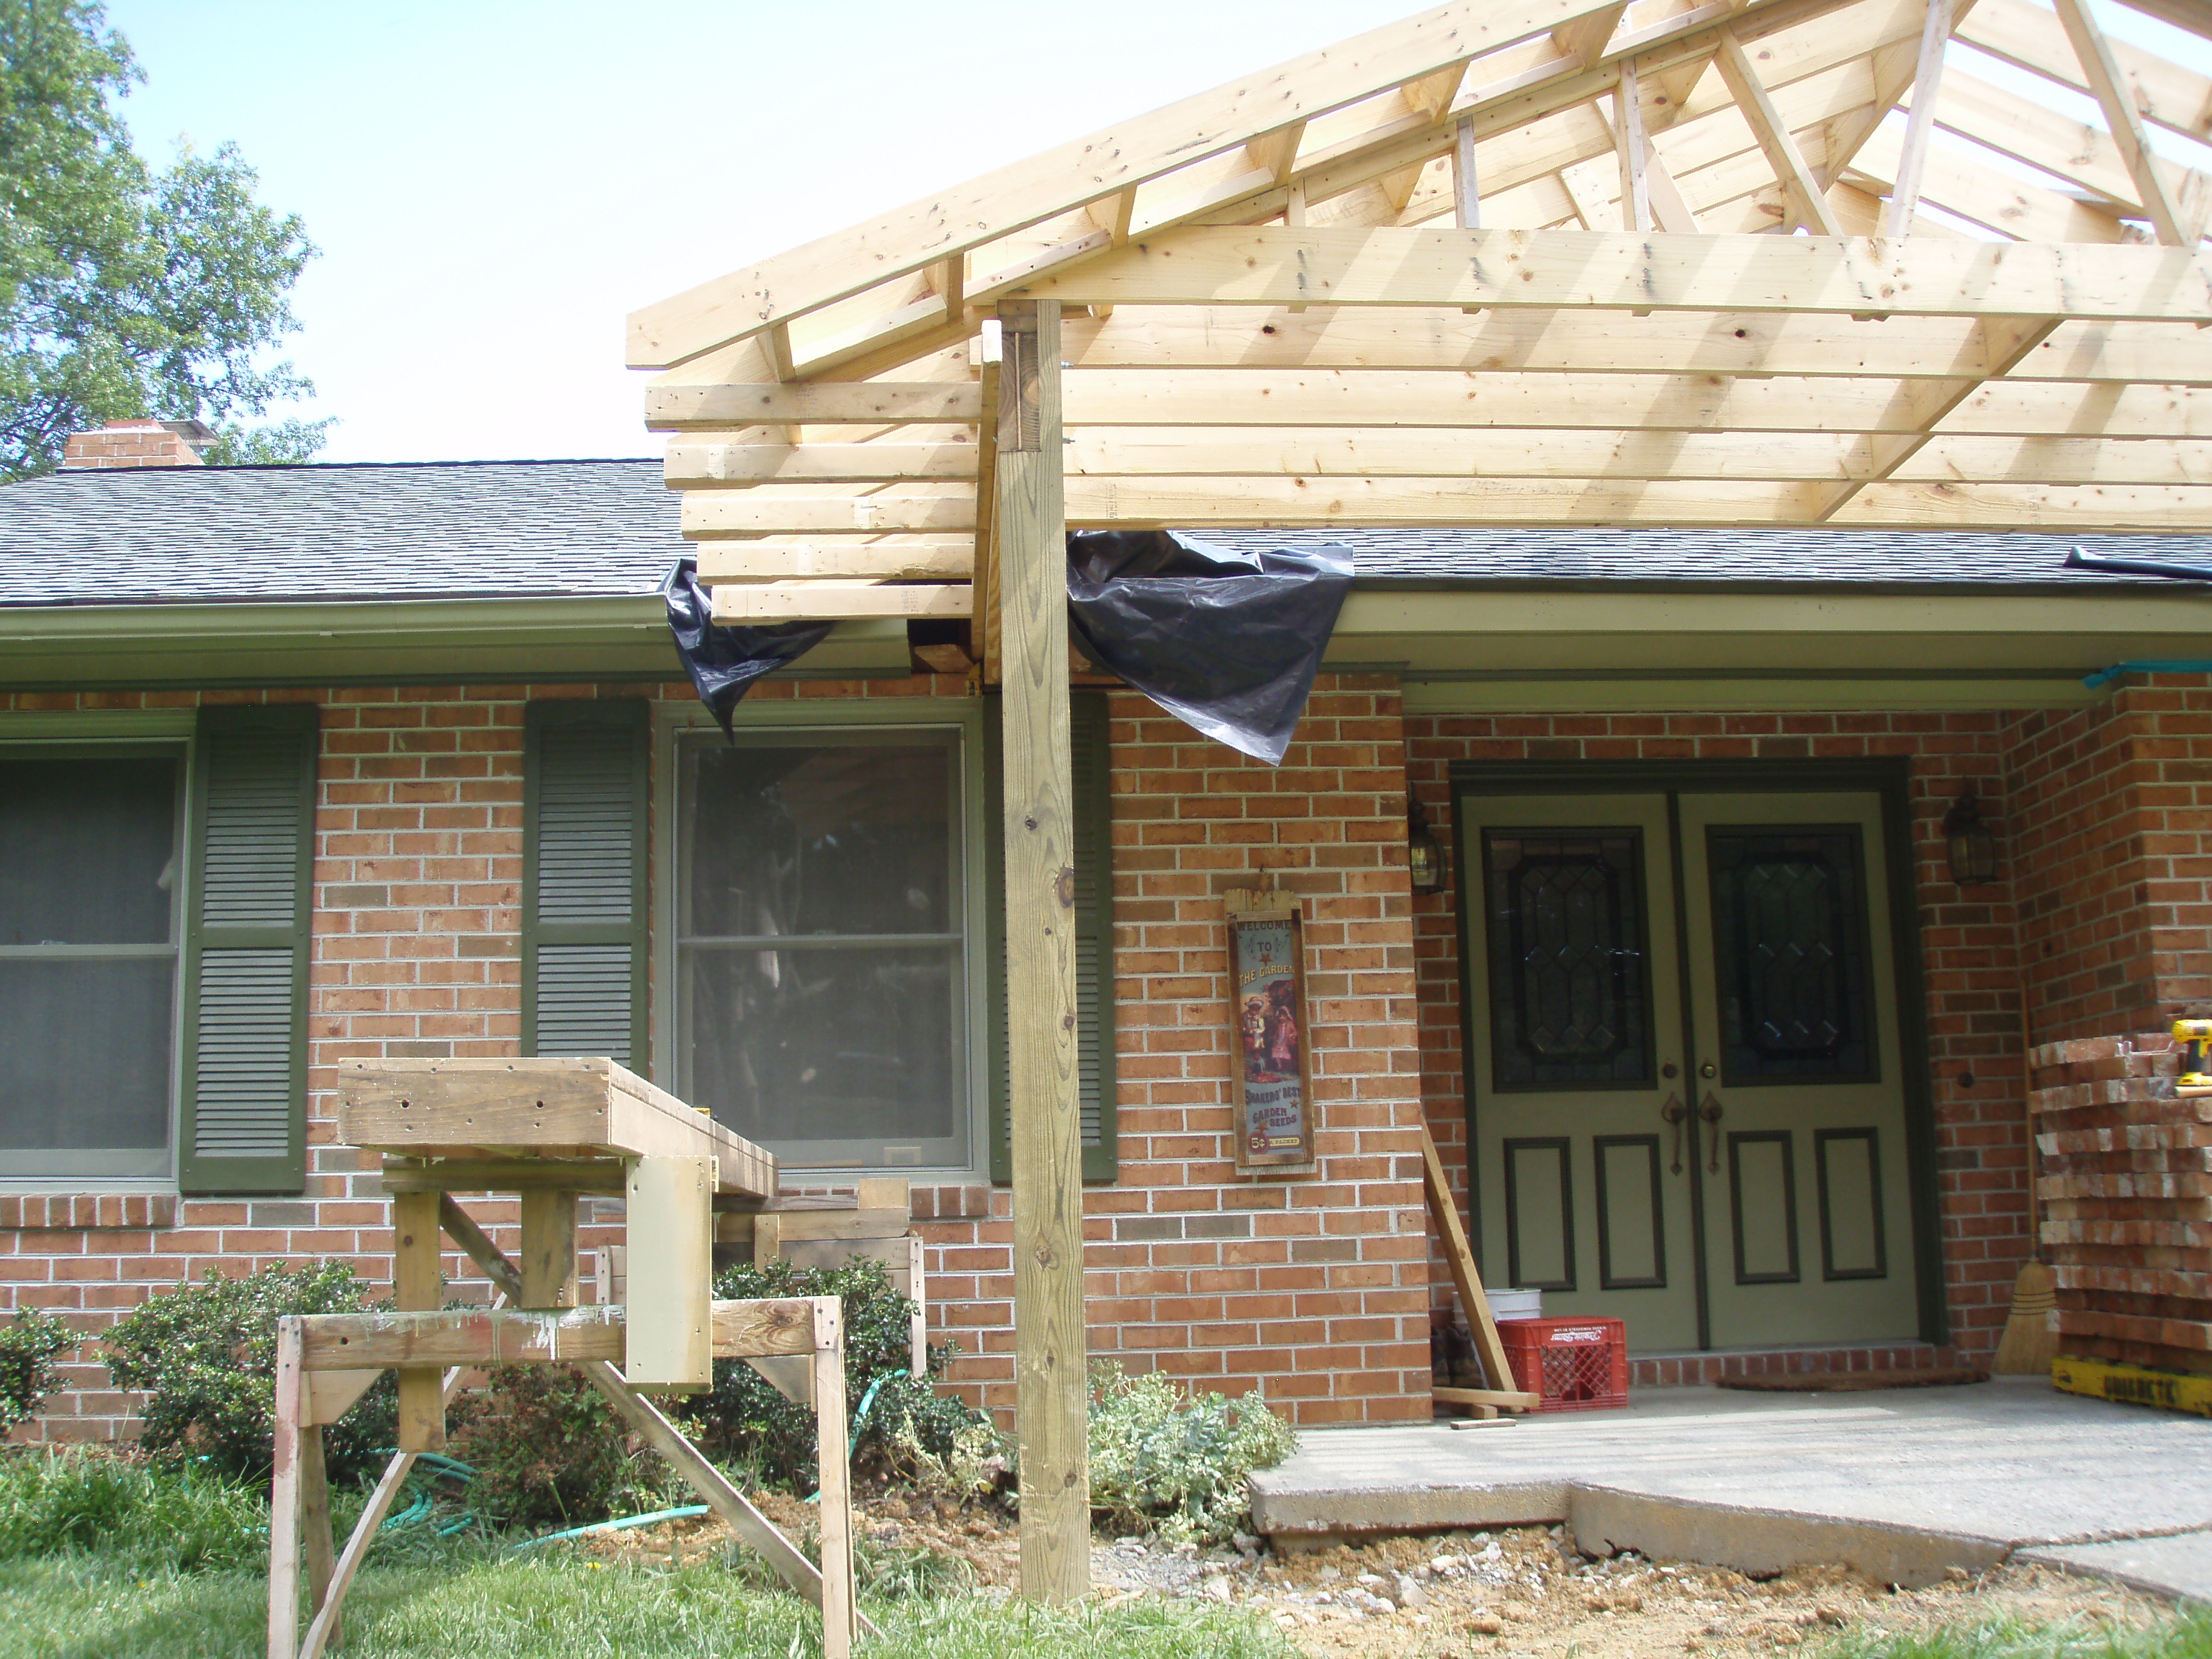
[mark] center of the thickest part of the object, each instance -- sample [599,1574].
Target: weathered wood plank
[1395,266]
[671,1227]
[747,512]
[796,1226]
[843,403]
[834,601]
[702,465]
[482,1336]
[833,1499]
[919,560]
[501,1175]
[284,1493]
[417,1285]
[547,1271]
[1050,1358]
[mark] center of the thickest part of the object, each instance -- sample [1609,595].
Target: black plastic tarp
[723,662]
[1226,640]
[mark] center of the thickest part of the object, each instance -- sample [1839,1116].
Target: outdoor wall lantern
[1972,847]
[1425,854]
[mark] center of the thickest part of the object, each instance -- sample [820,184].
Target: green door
[1582,1166]
[1801,1105]
[1685,1064]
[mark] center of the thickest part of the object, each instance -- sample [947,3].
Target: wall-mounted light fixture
[1425,854]
[1972,847]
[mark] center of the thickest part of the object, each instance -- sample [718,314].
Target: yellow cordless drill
[2196,1034]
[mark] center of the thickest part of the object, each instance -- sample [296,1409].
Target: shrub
[156,1518]
[28,1344]
[547,1449]
[205,1356]
[1175,1463]
[909,1428]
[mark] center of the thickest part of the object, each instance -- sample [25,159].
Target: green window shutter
[243,1125]
[1094,942]
[584,783]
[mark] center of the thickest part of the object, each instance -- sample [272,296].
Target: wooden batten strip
[678,408]
[696,465]
[921,559]
[831,601]
[743,513]
[1397,266]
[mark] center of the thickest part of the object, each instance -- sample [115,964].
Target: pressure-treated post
[1050,1380]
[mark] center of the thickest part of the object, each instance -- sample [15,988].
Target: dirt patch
[1511,1592]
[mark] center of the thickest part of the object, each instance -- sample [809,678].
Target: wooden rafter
[2176,226]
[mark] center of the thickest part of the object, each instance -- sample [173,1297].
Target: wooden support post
[1632,149]
[417,1288]
[548,1249]
[1920,123]
[834,1470]
[284,1493]
[668,1340]
[1799,187]
[1050,1372]
[476,1245]
[1481,1326]
[319,1544]
[1467,192]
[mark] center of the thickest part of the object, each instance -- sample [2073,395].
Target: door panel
[1799,1068]
[1577,1019]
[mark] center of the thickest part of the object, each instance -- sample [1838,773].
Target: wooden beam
[1088,169]
[1604,342]
[1274,153]
[1268,265]
[738,603]
[1050,1357]
[476,1245]
[918,559]
[1633,152]
[1796,179]
[284,1495]
[1928,75]
[983,621]
[753,513]
[1585,40]
[1892,66]
[1318,456]
[703,465]
[2168,95]
[418,1285]
[1467,185]
[485,1336]
[862,403]
[1260,398]
[2102,70]
[2076,151]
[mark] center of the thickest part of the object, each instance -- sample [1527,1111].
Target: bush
[547,1449]
[28,1344]
[158,1519]
[205,1356]
[909,1428]
[1175,1463]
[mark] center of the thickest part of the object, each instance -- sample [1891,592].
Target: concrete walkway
[1902,1484]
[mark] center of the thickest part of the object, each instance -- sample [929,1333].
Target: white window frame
[673,722]
[22,734]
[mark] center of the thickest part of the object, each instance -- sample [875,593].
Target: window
[822,942]
[91,846]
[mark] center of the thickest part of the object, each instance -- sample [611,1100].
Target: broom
[2030,1342]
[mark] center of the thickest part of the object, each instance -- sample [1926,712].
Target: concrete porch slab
[1901,1484]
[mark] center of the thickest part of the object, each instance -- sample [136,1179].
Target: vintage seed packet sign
[1270,1074]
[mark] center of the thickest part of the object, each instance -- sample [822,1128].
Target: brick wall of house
[1314,1287]
[2113,857]
[1968,939]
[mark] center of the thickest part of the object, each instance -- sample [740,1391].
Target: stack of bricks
[2126,1186]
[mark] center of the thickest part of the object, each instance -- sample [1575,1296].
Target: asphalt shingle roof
[608,529]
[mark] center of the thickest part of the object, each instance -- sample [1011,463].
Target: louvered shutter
[243,1125]
[584,880]
[1094,938]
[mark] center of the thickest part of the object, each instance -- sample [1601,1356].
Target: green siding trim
[250,854]
[1093,806]
[586,768]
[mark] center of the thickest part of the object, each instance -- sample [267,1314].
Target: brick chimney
[138,443]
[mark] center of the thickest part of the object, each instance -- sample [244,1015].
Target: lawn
[566,1607]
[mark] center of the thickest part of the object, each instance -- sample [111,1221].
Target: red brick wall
[2114,858]
[1967,936]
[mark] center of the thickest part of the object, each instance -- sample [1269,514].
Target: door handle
[1674,1112]
[1710,1109]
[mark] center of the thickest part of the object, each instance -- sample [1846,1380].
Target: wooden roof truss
[1790,263]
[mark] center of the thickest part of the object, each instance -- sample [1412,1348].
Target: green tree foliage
[28,1345]
[125,291]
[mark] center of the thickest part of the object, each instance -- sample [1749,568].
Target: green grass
[564,1608]
[2186,1635]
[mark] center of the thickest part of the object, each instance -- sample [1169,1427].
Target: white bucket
[1516,1304]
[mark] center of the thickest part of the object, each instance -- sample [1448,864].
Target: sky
[495,186]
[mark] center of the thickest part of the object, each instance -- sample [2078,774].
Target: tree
[128,292]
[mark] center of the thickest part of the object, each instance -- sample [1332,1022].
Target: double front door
[1686,1064]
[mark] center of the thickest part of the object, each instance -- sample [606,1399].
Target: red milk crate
[1574,1364]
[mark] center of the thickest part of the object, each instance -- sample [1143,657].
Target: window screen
[821,948]
[89,862]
